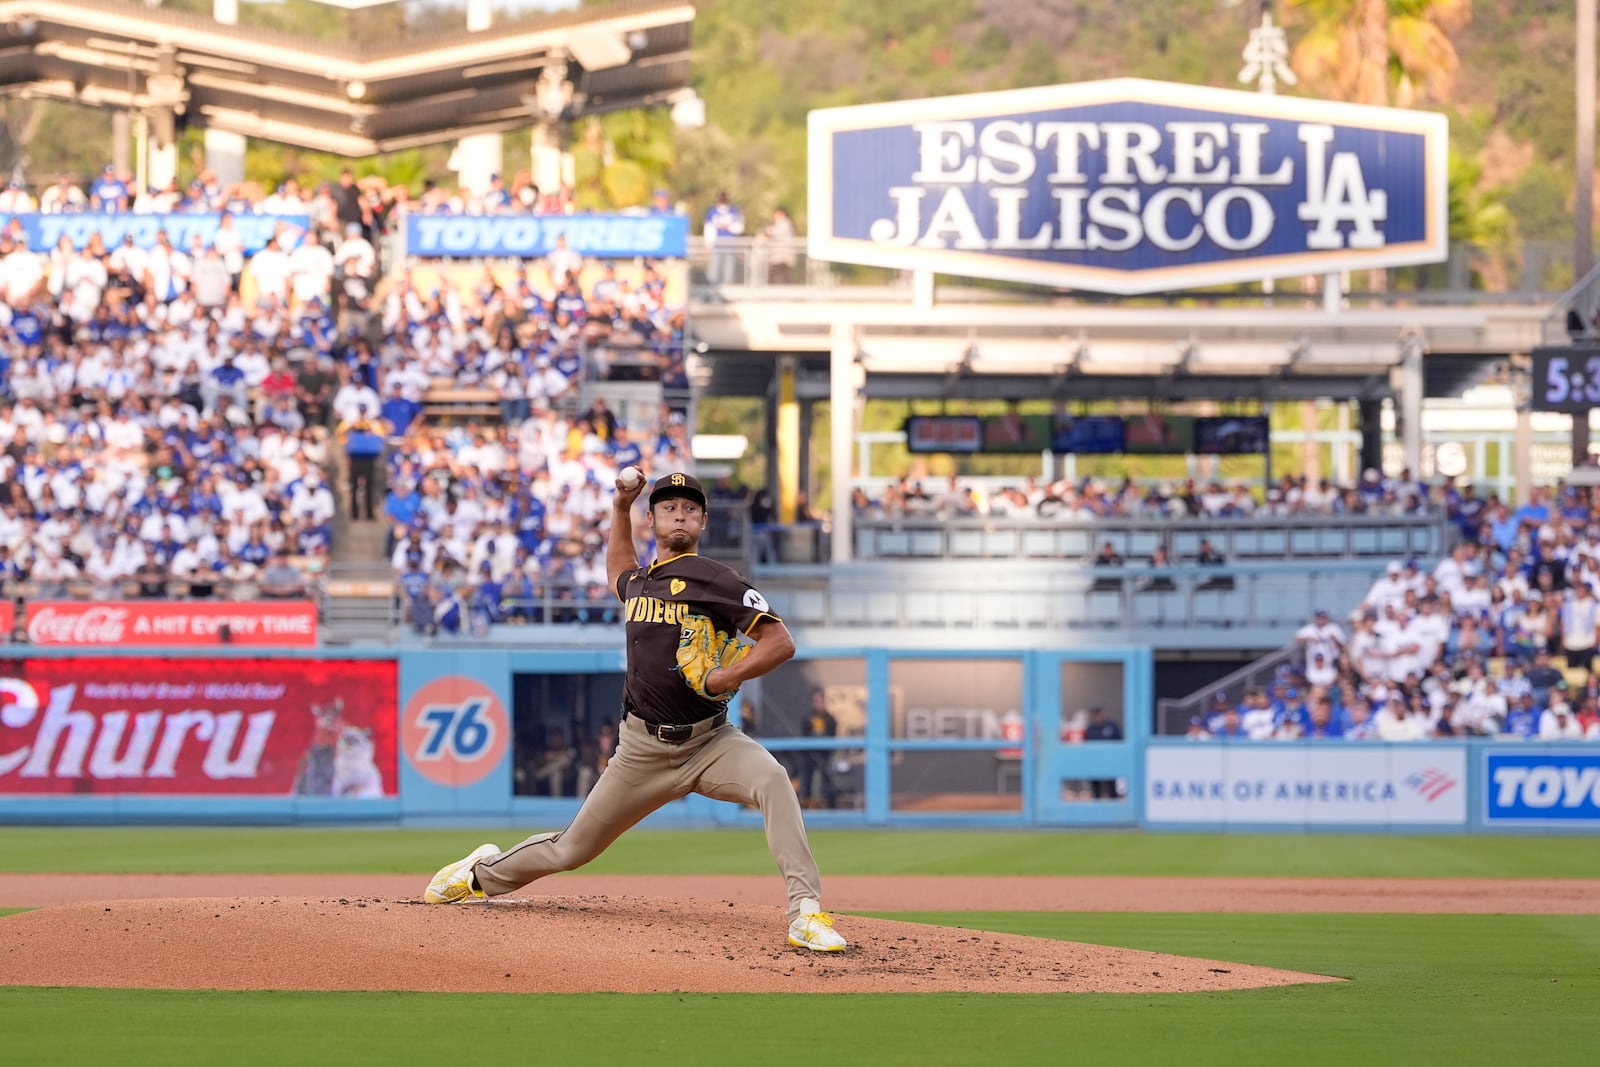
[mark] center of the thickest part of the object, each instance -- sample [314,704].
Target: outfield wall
[923,737]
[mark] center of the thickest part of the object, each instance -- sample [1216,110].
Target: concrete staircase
[359,589]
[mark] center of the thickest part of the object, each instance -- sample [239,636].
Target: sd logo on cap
[684,486]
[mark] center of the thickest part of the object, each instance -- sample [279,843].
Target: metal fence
[1173,714]
[1241,539]
[1267,600]
[1532,271]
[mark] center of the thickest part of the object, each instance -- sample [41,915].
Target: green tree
[621,158]
[1478,217]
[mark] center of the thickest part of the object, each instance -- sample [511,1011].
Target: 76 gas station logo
[454,730]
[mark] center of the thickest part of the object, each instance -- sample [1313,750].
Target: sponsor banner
[1306,785]
[236,726]
[1551,786]
[944,433]
[530,236]
[1127,186]
[8,619]
[454,730]
[45,231]
[258,623]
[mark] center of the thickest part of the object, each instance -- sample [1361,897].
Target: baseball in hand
[631,477]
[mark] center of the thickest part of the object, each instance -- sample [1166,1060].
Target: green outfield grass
[363,851]
[1422,990]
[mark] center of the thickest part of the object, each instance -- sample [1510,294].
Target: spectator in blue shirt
[496,198]
[724,222]
[1543,676]
[1321,722]
[1503,527]
[1226,725]
[570,299]
[1467,508]
[400,506]
[27,325]
[486,596]
[225,384]
[447,609]
[398,413]
[1535,513]
[569,361]
[624,452]
[528,515]
[108,193]
[363,448]
[1522,719]
[414,588]
[1290,716]
[256,550]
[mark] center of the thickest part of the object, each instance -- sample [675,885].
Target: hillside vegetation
[762,65]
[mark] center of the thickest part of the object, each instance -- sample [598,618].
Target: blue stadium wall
[946,738]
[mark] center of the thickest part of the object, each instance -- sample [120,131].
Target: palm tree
[621,157]
[1377,51]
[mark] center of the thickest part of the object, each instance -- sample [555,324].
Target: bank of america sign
[1127,186]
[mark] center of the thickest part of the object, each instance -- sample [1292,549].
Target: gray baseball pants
[644,774]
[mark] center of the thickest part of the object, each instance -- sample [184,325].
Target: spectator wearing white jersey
[1390,590]
[1322,635]
[1580,620]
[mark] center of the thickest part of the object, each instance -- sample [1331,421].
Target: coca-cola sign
[72,624]
[235,726]
[267,623]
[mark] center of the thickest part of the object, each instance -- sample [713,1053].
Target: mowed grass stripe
[358,851]
[1422,989]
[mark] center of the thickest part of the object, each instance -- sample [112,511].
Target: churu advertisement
[236,726]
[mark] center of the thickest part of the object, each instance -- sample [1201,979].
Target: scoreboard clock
[1566,378]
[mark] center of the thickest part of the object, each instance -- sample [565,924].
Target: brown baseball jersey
[657,601]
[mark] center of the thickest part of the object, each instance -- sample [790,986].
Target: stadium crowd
[1498,639]
[172,417]
[172,420]
[1087,499]
[372,200]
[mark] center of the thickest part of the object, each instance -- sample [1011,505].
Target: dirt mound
[557,944]
[895,892]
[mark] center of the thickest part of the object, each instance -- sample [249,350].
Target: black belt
[678,733]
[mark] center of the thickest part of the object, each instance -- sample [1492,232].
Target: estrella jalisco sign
[1127,186]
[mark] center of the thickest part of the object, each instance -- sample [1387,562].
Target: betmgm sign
[1127,186]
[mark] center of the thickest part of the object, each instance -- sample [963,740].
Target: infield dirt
[614,933]
[556,944]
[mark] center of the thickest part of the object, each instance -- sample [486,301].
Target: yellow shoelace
[822,917]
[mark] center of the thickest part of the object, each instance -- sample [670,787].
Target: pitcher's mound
[558,945]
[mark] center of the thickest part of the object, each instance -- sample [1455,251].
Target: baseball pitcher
[684,616]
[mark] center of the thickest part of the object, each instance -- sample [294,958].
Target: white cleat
[813,929]
[454,883]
